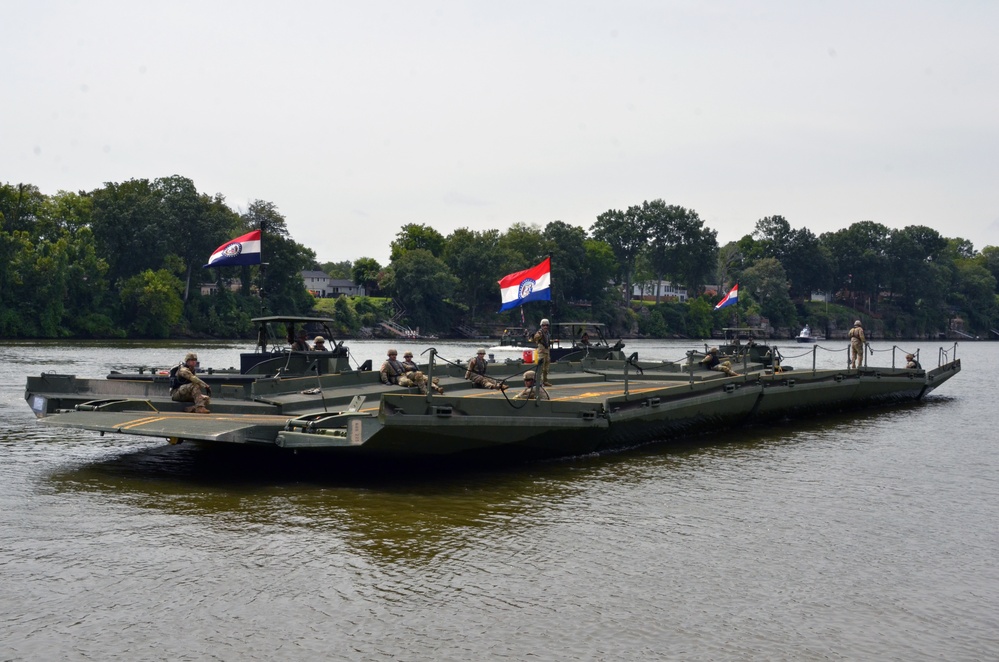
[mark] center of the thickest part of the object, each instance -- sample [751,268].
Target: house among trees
[322,286]
[234,285]
[665,290]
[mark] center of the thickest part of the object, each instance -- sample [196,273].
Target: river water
[867,536]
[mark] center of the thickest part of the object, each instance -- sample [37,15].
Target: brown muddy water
[862,536]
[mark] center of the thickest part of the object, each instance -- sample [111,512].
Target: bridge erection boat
[595,405]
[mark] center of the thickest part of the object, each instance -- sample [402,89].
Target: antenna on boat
[263,271]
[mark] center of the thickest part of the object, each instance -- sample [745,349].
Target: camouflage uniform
[532,391]
[543,338]
[300,344]
[912,364]
[191,388]
[476,372]
[712,362]
[857,342]
[414,377]
[392,370]
[319,344]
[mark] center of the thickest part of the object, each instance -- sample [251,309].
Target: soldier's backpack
[174,380]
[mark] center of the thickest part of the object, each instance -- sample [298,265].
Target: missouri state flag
[532,284]
[239,251]
[730,298]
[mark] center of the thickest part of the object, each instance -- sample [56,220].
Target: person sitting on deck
[531,389]
[912,364]
[476,372]
[185,386]
[319,344]
[712,362]
[392,370]
[414,377]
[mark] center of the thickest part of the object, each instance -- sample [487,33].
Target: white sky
[356,118]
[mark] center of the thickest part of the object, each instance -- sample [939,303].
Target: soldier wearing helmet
[912,362]
[532,390]
[319,344]
[392,369]
[476,372]
[857,343]
[186,386]
[712,362]
[543,337]
[301,342]
[410,375]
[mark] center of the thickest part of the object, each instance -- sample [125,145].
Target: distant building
[345,288]
[234,285]
[322,286]
[667,291]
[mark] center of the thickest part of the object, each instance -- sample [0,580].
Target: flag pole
[552,303]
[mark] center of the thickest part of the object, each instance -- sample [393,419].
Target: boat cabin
[273,354]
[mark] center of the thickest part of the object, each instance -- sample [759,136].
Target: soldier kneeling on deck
[712,362]
[185,386]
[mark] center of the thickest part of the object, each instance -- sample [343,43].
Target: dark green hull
[595,407]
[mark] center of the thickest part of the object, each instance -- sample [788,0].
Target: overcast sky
[356,118]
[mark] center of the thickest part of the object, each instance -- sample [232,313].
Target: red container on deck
[528,356]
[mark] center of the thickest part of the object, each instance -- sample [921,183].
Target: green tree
[598,271]
[699,318]
[625,234]
[365,272]
[567,246]
[283,290]
[20,206]
[422,284]
[471,255]
[152,300]
[766,282]
[413,237]
[338,270]
[988,258]
[806,263]
[859,261]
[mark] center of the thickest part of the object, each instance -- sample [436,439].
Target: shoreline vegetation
[125,261]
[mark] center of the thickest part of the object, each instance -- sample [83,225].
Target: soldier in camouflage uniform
[530,391]
[544,339]
[712,362]
[301,343]
[414,377]
[476,372]
[392,370]
[185,386]
[857,343]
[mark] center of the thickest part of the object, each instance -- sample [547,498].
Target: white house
[322,286]
[667,291]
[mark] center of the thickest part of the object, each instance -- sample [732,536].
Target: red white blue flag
[731,298]
[532,284]
[239,251]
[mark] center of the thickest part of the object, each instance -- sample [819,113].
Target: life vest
[477,366]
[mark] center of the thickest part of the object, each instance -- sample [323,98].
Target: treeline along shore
[125,260]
